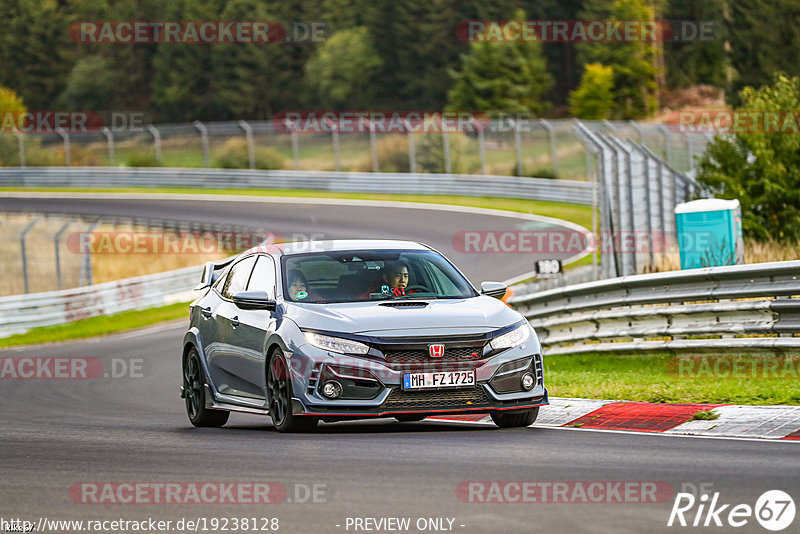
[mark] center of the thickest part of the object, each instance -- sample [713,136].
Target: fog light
[528,381]
[332,389]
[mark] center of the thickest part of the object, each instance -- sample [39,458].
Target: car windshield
[356,276]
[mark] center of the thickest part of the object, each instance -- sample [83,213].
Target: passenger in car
[298,287]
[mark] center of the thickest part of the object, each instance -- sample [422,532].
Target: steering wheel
[417,288]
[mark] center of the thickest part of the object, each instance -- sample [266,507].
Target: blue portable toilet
[709,233]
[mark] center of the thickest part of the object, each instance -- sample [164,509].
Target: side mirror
[207,277]
[253,300]
[494,289]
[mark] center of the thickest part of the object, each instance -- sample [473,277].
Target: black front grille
[451,398]
[457,354]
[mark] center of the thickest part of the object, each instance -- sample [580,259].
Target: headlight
[336,344]
[511,339]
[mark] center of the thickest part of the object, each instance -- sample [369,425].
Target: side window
[238,277]
[263,278]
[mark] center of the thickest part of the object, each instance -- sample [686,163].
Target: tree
[89,85]
[594,99]
[696,61]
[183,73]
[35,50]
[244,72]
[508,76]
[761,169]
[11,106]
[341,69]
[763,35]
[632,61]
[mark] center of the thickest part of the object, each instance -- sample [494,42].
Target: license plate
[446,379]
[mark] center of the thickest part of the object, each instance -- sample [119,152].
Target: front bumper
[377,385]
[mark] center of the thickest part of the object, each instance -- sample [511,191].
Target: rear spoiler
[211,272]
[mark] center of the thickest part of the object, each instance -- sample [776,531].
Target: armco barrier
[571,191]
[734,308]
[19,313]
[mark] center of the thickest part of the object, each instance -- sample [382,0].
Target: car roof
[337,245]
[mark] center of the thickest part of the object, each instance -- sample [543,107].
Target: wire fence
[42,253]
[539,148]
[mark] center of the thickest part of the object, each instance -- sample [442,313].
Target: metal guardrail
[743,307]
[20,313]
[571,191]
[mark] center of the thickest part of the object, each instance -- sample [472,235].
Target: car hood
[439,317]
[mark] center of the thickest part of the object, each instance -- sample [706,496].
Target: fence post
[592,175]
[157,144]
[690,146]
[551,133]
[24,254]
[448,168]
[295,148]
[482,148]
[518,144]
[251,148]
[110,141]
[57,246]
[86,261]
[335,140]
[635,126]
[373,146]
[204,139]
[65,136]
[412,149]
[667,142]
[21,142]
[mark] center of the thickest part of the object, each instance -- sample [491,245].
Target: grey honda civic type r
[350,329]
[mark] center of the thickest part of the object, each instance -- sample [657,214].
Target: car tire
[279,393]
[195,394]
[515,419]
[409,418]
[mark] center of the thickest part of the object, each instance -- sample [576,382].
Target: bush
[392,155]
[761,169]
[234,154]
[430,152]
[142,159]
[53,155]
[545,172]
[594,99]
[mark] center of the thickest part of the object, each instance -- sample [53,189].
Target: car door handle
[235,321]
[206,312]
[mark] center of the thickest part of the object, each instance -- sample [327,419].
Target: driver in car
[396,277]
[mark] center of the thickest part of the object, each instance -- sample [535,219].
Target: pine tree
[509,76]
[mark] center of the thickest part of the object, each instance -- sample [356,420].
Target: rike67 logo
[774,510]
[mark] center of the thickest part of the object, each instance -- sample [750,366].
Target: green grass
[652,378]
[98,326]
[705,416]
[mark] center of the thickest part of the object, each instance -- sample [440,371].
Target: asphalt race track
[57,434]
